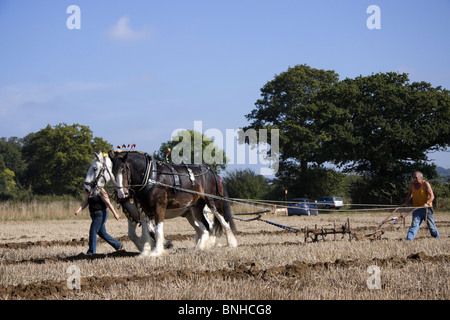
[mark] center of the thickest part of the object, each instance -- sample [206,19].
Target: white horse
[100,174]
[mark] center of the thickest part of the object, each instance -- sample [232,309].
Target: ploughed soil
[39,290]
[245,270]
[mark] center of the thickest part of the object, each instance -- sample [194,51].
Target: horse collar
[150,172]
[153,170]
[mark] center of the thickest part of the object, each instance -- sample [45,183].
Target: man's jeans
[417,217]
[98,227]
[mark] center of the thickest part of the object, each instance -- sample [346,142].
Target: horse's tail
[228,215]
[227,211]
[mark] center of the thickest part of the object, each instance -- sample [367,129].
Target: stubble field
[39,257]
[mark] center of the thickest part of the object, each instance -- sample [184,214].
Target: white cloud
[123,32]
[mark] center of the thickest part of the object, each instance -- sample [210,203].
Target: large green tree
[389,121]
[379,126]
[58,157]
[389,127]
[290,103]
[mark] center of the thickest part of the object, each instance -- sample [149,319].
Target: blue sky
[137,70]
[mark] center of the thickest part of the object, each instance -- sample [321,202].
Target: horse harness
[151,173]
[149,176]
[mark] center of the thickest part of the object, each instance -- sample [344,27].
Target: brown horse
[98,176]
[166,191]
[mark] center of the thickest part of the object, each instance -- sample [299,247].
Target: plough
[316,234]
[379,232]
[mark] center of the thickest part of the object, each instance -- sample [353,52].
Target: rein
[150,179]
[212,196]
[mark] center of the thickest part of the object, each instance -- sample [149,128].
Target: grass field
[269,263]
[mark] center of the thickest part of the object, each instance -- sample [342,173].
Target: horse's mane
[122,153]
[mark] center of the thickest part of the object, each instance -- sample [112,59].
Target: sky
[136,71]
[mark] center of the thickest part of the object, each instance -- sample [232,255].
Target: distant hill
[443,172]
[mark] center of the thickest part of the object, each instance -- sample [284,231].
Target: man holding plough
[422,195]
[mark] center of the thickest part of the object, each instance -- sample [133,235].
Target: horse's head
[99,173]
[121,171]
[128,169]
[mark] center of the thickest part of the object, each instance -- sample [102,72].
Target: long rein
[380,227]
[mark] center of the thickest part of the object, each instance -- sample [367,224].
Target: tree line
[361,137]
[52,161]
